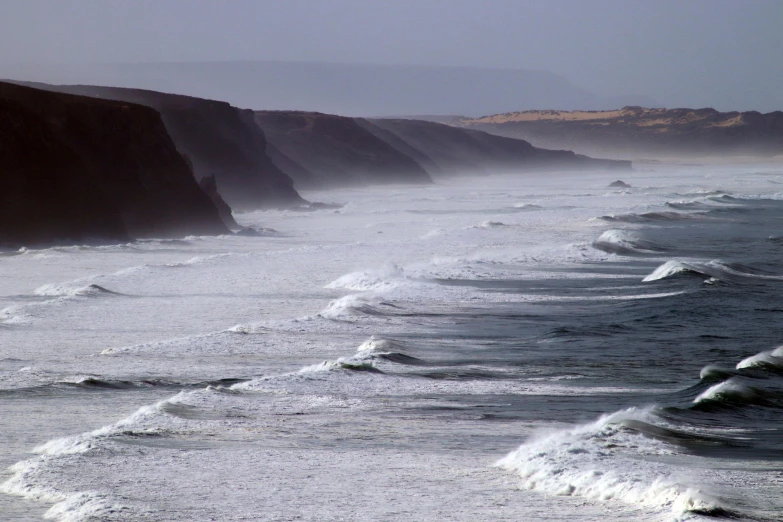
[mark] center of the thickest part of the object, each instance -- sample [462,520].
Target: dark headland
[76,169]
[219,139]
[85,162]
[636,131]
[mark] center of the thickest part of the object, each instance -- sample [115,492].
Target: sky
[671,50]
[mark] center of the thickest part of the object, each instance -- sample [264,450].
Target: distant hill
[635,131]
[347,89]
[75,169]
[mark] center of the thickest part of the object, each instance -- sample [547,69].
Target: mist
[606,53]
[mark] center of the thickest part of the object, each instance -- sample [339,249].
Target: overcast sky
[670,50]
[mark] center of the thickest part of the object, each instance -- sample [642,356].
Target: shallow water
[505,348]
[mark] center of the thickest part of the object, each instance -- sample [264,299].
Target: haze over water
[505,348]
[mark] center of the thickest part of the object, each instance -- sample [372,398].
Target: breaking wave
[605,460]
[351,307]
[772,359]
[716,270]
[625,242]
[60,290]
[653,217]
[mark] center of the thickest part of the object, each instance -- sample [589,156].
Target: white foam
[378,345]
[768,358]
[387,278]
[730,389]
[29,478]
[602,461]
[351,307]
[66,290]
[14,314]
[622,241]
[669,269]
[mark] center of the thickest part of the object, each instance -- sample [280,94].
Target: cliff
[323,150]
[74,168]
[634,131]
[457,150]
[210,188]
[219,140]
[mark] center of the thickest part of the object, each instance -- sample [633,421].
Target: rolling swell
[733,414]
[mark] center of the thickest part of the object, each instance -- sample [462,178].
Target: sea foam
[605,461]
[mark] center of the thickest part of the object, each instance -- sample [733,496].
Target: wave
[14,315]
[653,217]
[492,224]
[715,270]
[30,479]
[60,293]
[722,198]
[703,192]
[674,268]
[732,391]
[385,279]
[624,242]
[364,359]
[772,359]
[689,205]
[88,287]
[350,307]
[519,207]
[606,460]
[711,373]
[64,290]
[636,455]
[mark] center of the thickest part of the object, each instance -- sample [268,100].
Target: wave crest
[600,461]
[624,242]
[717,270]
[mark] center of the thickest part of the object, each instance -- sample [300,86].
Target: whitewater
[506,347]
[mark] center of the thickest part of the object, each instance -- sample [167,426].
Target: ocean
[506,347]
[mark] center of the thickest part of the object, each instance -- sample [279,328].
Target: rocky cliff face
[210,188]
[335,151]
[219,139]
[635,131]
[75,168]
